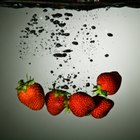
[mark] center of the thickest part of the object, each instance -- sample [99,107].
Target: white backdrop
[35,55]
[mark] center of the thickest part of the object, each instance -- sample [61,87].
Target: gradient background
[123,122]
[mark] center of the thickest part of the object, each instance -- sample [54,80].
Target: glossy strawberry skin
[102,107]
[55,104]
[33,97]
[81,104]
[109,82]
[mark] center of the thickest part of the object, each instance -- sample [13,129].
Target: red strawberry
[102,107]
[81,104]
[108,83]
[31,94]
[56,101]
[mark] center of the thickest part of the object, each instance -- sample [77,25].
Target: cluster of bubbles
[57,34]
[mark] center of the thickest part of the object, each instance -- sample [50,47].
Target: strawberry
[56,101]
[31,94]
[102,107]
[108,83]
[81,104]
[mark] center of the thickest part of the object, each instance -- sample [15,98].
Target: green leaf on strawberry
[24,85]
[98,91]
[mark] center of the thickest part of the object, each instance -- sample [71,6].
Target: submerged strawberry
[56,101]
[102,107]
[81,104]
[108,83]
[31,94]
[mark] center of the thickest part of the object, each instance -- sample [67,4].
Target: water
[69,48]
[64,41]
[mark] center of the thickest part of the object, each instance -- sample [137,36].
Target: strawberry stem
[27,77]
